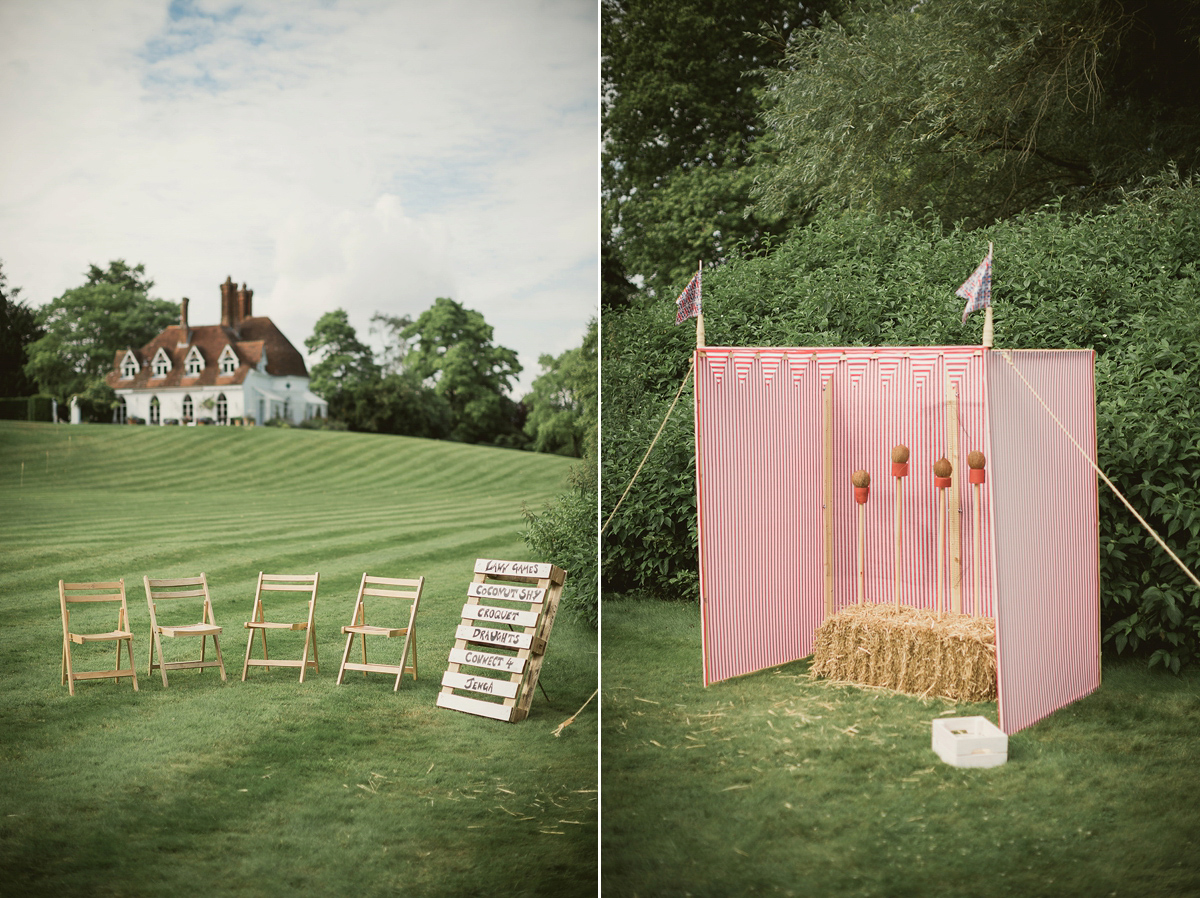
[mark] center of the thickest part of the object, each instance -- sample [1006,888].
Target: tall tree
[88,325]
[980,109]
[18,328]
[346,362]
[681,85]
[451,348]
[563,404]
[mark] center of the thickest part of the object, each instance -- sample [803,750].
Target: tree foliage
[18,328]
[1125,282]
[681,83]
[452,350]
[346,363]
[563,405]
[86,326]
[980,110]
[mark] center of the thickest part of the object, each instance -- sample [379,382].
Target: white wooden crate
[969,742]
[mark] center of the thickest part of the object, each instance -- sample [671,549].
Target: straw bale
[910,650]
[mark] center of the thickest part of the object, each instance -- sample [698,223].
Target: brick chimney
[227,303]
[184,334]
[244,307]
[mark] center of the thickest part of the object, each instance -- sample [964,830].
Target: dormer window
[194,362]
[129,366]
[229,362]
[162,363]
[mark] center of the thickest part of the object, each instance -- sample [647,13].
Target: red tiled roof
[248,341]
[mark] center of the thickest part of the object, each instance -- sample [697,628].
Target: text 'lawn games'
[501,642]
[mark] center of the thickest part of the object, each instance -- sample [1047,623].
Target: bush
[565,534]
[1125,282]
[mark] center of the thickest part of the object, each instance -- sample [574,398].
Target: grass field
[778,784]
[270,787]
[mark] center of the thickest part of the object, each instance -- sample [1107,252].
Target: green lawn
[270,787]
[778,784]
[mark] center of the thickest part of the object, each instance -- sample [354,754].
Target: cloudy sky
[369,155]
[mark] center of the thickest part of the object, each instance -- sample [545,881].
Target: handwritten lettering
[499,637]
[486,612]
[508,593]
[495,662]
[476,684]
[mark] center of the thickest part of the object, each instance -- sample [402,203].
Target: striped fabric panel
[759,424]
[1045,532]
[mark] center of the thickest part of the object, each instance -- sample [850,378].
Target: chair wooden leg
[68,672]
[345,657]
[132,667]
[156,640]
[220,660]
[249,645]
[304,654]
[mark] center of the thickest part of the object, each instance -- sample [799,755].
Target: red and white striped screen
[760,425]
[1045,531]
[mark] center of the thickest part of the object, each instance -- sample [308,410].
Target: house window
[195,362]
[121,415]
[222,409]
[155,416]
[187,407]
[129,367]
[162,364]
[228,361]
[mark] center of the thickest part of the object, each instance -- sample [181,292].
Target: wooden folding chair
[406,591]
[76,593]
[258,622]
[171,590]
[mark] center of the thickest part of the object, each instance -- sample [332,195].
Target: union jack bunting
[689,301]
[977,289]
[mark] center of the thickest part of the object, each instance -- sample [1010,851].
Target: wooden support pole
[954,501]
[942,472]
[977,477]
[862,491]
[899,471]
[941,549]
[862,553]
[978,555]
[899,532]
[827,497]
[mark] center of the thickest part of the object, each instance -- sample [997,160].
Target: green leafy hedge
[1124,283]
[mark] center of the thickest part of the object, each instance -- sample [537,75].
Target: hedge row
[1124,283]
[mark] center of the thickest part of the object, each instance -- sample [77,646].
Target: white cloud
[363,155]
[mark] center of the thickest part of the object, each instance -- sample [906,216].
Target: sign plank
[486,685]
[533,569]
[500,615]
[474,706]
[509,593]
[503,663]
[508,638]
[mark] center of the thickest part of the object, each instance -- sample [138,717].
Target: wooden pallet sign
[501,642]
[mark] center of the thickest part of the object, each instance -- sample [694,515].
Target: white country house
[242,368]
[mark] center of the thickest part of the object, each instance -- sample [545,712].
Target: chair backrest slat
[394,581]
[392,593]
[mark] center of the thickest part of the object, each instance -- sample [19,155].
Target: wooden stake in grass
[942,470]
[899,471]
[862,490]
[976,477]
